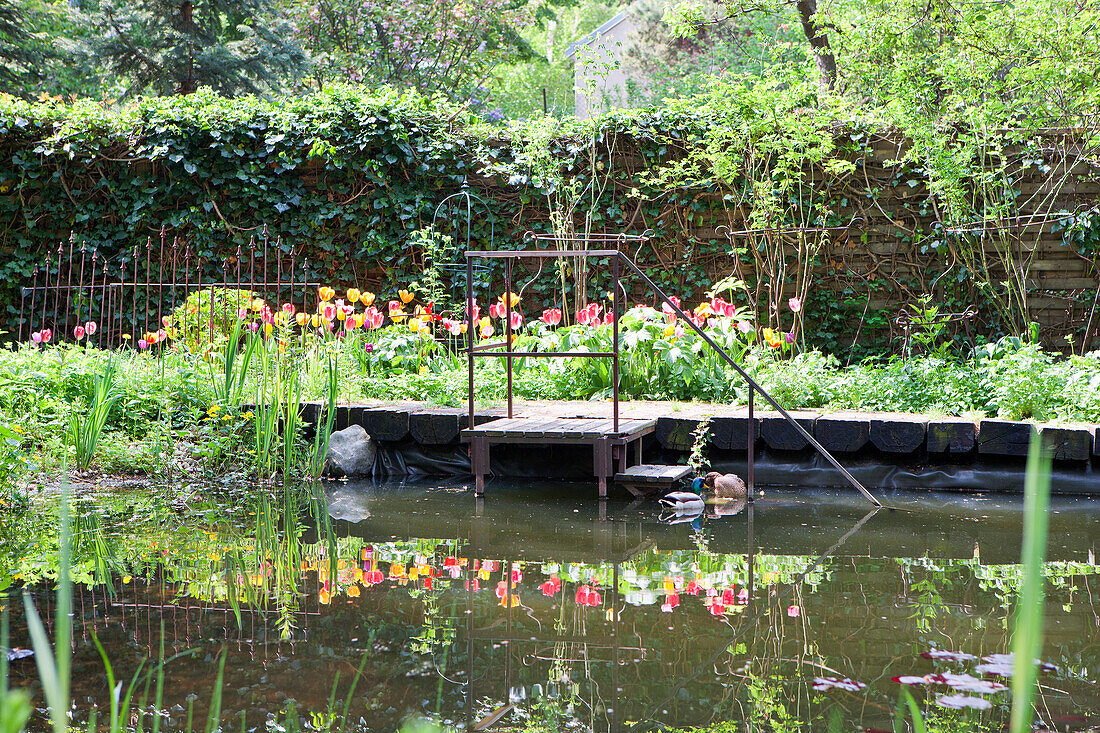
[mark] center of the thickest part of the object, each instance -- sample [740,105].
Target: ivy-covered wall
[344,180]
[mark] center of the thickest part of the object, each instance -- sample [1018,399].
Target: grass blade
[1027,641]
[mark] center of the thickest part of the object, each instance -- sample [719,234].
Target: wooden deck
[609,445]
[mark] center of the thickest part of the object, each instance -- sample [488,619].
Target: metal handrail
[618,257]
[753,386]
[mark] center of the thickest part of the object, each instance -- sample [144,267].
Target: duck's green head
[697,485]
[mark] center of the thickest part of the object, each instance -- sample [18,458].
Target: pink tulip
[497,310]
[36,337]
[795,304]
[78,332]
[476,315]
[161,335]
[90,328]
[47,334]
[516,320]
[667,308]
[242,313]
[289,308]
[253,327]
[551,316]
[608,318]
[143,344]
[794,611]
[329,312]
[453,327]
[166,321]
[744,326]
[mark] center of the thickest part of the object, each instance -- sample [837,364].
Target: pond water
[542,607]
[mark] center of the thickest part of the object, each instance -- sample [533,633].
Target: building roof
[602,30]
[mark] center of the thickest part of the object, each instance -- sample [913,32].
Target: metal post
[471,324]
[752,446]
[508,327]
[615,344]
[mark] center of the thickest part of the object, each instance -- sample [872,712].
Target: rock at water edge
[351,452]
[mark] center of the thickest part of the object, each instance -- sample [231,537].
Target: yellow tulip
[315,321]
[353,295]
[257,304]
[405,295]
[326,293]
[302,318]
[415,325]
[360,319]
[340,314]
[366,299]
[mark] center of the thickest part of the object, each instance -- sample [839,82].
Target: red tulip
[551,316]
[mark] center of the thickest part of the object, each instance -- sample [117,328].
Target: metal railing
[618,259]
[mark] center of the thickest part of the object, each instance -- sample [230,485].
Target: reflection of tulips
[588,596]
[551,587]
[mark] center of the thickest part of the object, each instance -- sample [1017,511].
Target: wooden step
[648,479]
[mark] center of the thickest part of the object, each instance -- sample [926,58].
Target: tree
[21,52]
[432,46]
[176,46]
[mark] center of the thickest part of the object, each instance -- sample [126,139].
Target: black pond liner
[773,468]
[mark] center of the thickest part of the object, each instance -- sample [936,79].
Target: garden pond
[540,609]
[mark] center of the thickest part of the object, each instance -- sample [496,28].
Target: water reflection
[563,612]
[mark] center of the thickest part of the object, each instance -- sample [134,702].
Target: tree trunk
[819,44]
[187,84]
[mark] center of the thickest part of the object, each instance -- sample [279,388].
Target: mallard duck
[726,486]
[686,502]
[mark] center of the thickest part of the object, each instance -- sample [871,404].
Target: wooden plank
[842,434]
[1067,444]
[951,435]
[898,434]
[1003,437]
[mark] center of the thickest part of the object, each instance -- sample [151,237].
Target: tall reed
[85,430]
[1027,640]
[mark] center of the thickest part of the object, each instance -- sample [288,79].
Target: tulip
[257,305]
[36,337]
[516,320]
[353,591]
[744,326]
[302,318]
[328,312]
[551,316]
[667,308]
[143,344]
[161,335]
[795,304]
[289,309]
[91,327]
[416,326]
[453,327]
[497,310]
[367,299]
[794,611]
[486,328]
[405,295]
[78,332]
[326,293]
[166,321]
[353,295]
[242,313]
